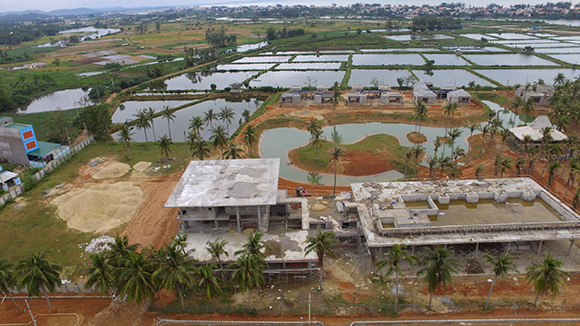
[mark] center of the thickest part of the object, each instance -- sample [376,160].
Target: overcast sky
[18,5]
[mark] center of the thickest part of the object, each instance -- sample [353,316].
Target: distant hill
[67,12]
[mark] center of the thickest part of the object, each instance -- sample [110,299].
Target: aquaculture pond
[401,50]
[181,122]
[559,50]
[63,100]
[250,66]
[476,36]
[455,77]
[515,59]
[279,141]
[383,76]
[570,58]
[321,58]
[405,37]
[447,60]
[512,36]
[309,66]
[126,111]
[301,78]
[465,48]
[509,77]
[261,59]
[386,59]
[203,80]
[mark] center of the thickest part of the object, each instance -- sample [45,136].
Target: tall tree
[134,277]
[175,270]
[151,116]
[218,137]
[552,170]
[165,145]
[232,152]
[167,114]
[248,273]
[217,249]
[101,275]
[320,244]
[336,96]
[500,267]
[250,137]
[125,138]
[7,280]
[209,117]
[199,148]
[395,256]
[142,122]
[207,281]
[438,268]
[335,157]
[454,134]
[315,136]
[420,113]
[547,276]
[226,115]
[528,107]
[38,275]
[196,124]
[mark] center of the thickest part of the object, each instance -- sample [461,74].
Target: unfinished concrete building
[541,95]
[517,213]
[459,96]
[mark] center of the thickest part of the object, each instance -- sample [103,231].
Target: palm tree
[101,275]
[505,133]
[151,116]
[438,270]
[233,152]
[335,157]
[472,127]
[336,96]
[38,275]
[253,247]
[528,107]
[517,103]
[436,145]
[505,164]
[560,79]
[165,145]
[576,199]
[207,281]
[248,273]
[500,267]
[7,280]
[320,244]
[478,171]
[196,124]
[175,270]
[315,135]
[218,137]
[120,248]
[454,134]
[449,111]
[395,256]
[167,113]
[226,115]
[142,122]
[199,148]
[209,117]
[432,161]
[552,169]
[125,138]
[420,114]
[134,277]
[444,162]
[216,249]
[547,276]
[250,137]
[314,178]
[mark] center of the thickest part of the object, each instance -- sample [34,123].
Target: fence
[48,168]
[64,288]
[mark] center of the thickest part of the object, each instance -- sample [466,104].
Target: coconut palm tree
[547,276]
[207,281]
[151,116]
[218,137]
[560,79]
[517,103]
[217,249]
[395,256]
[250,137]
[454,134]
[165,145]
[254,247]
[314,178]
[142,122]
[209,117]
[175,270]
[134,277]
[421,114]
[196,124]
[444,163]
[472,127]
[226,115]
[478,171]
[552,169]
[336,96]
[7,280]
[125,138]
[320,244]
[436,145]
[500,267]
[167,113]
[38,275]
[438,269]
[315,135]
[199,148]
[335,157]
[528,107]
[449,111]
[432,161]
[232,152]
[505,133]
[248,273]
[505,164]
[576,199]
[101,275]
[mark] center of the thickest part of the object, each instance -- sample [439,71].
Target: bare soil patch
[110,170]
[416,137]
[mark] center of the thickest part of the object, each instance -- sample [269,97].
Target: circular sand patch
[98,207]
[141,166]
[111,170]
[318,207]
[416,138]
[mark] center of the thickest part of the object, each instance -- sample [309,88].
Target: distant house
[290,99]
[391,98]
[236,88]
[18,144]
[459,96]
[8,179]
[534,131]
[541,95]
[424,95]
[356,98]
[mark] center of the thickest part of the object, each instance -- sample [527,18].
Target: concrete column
[540,246]
[259,219]
[413,250]
[238,219]
[571,246]
[477,248]
[508,247]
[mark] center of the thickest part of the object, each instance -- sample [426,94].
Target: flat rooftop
[220,183]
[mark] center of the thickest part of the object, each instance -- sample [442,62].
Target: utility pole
[309,305]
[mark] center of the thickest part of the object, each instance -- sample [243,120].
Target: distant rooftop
[247,182]
[44,148]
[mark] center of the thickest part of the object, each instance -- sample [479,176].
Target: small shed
[459,96]
[391,98]
[385,88]
[321,88]
[424,95]
[295,89]
[8,179]
[357,98]
[290,99]
[357,88]
[323,97]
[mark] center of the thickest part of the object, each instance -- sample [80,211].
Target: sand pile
[98,207]
[111,170]
[141,166]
